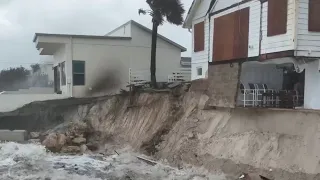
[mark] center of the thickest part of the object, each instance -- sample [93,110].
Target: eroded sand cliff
[180,127]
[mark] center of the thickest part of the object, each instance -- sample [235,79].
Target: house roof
[192,10]
[149,31]
[79,36]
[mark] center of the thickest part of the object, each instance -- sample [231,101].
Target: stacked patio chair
[257,94]
[248,95]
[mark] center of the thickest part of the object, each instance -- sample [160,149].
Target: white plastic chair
[248,95]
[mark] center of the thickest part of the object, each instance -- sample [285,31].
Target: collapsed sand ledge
[178,126]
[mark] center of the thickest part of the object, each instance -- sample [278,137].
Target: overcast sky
[20,19]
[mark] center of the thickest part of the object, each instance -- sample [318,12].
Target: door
[56,79]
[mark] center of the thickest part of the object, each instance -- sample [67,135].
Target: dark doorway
[293,81]
[56,78]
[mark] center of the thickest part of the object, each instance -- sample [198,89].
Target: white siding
[122,31]
[254,24]
[281,42]
[221,4]
[202,9]
[194,72]
[308,43]
[200,58]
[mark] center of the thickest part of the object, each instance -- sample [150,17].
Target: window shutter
[231,36]
[198,37]
[314,15]
[223,37]
[241,37]
[277,17]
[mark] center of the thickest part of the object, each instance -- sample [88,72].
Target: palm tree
[173,11]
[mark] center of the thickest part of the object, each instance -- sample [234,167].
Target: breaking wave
[33,162]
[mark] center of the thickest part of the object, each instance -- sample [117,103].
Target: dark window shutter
[241,37]
[314,15]
[223,37]
[231,36]
[198,37]
[277,17]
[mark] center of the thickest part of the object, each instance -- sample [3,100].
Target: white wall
[253,72]
[168,56]
[308,43]
[122,31]
[103,58]
[202,9]
[281,42]
[200,58]
[312,86]
[114,57]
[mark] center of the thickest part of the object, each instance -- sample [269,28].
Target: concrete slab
[16,135]
[11,102]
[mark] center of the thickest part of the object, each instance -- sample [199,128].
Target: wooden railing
[141,77]
[181,75]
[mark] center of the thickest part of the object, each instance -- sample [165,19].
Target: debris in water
[148,161]
[35,163]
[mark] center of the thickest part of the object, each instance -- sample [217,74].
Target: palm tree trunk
[153,54]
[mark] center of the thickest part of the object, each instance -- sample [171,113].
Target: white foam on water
[32,162]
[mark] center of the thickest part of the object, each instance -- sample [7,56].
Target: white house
[85,64]
[274,42]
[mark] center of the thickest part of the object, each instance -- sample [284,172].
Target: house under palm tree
[88,65]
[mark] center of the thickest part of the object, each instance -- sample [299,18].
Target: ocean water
[33,162]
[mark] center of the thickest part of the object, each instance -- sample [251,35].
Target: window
[63,74]
[314,14]
[78,68]
[277,17]
[199,71]
[198,37]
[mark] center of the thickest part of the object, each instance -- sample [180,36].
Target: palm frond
[157,16]
[173,10]
[142,11]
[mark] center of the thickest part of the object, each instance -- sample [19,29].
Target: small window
[78,68]
[199,71]
[63,74]
[198,37]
